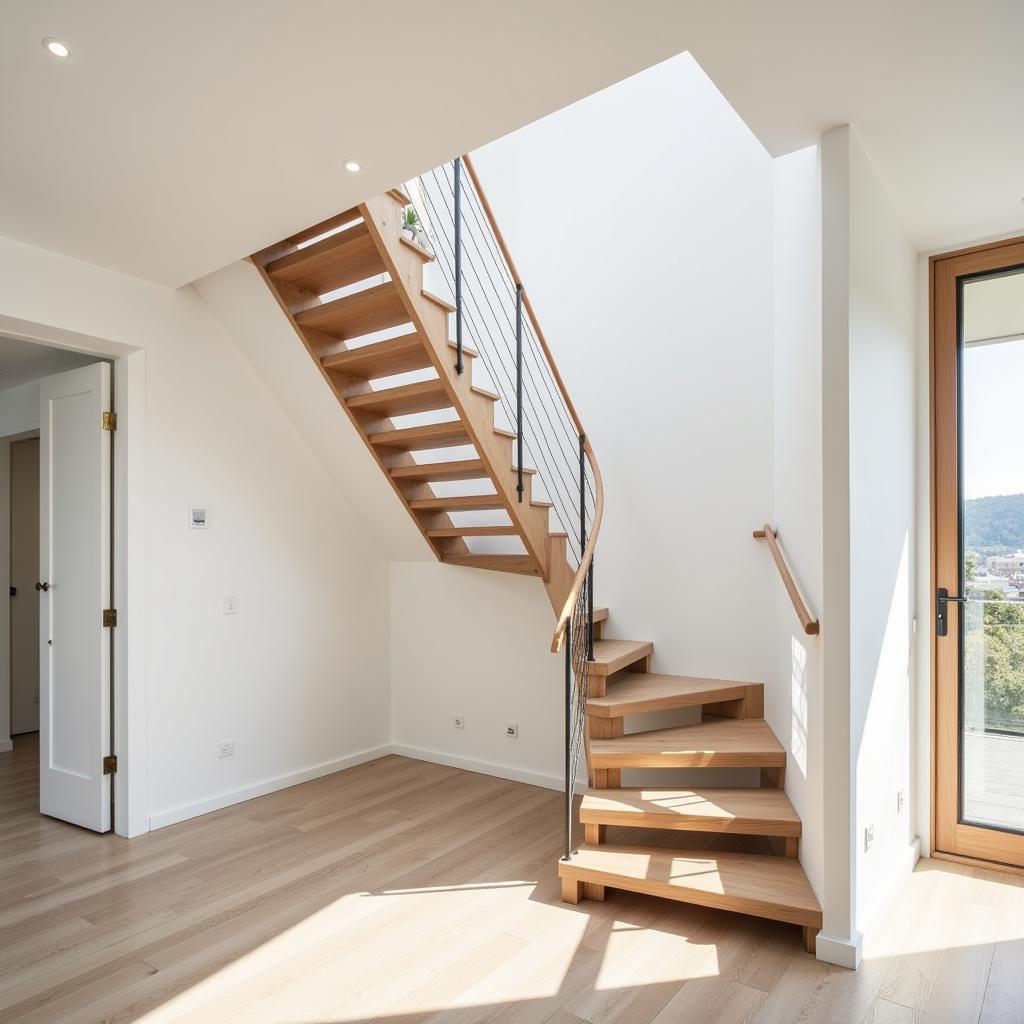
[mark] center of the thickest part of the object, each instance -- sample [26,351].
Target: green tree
[996,640]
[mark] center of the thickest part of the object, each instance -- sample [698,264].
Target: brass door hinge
[109,616]
[110,764]
[110,421]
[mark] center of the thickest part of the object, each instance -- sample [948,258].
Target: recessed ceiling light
[353,166]
[56,47]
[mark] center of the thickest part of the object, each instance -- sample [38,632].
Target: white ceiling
[181,136]
[23,361]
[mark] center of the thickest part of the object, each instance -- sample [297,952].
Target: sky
[993,414]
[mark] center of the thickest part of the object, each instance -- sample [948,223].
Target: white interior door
[74,566]
[24,573]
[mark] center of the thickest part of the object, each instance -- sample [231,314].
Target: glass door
[978,454]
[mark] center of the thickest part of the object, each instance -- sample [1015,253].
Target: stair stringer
[291,299]
[382,216]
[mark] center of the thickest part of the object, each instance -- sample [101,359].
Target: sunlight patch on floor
[363,955]
[942,907]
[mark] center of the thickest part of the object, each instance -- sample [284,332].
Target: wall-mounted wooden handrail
[803,613]
[588,552]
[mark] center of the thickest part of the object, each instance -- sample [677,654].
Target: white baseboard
[237,796]
[499,771]
[6,745]
[848,952]
[841,952]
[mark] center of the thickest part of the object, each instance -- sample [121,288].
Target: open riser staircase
[412,308]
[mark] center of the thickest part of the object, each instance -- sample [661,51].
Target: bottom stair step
[747,883]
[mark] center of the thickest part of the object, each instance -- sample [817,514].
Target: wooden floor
[404,892]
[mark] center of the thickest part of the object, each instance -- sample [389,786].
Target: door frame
[10,442]
[131,811]
[950,839]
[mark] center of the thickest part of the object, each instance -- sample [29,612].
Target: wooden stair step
[424,254]
[382,358]
[751,811]
[422,438]
[333,262]
[423,396]
[438,301]
[763,886]
[439,472]
[474,531]
[524,565]
[610,656]
[331,224]
[465,503]
[362,312]
[639,692]
[718,743]
[400,196]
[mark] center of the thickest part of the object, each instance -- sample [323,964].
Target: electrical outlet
[460,721]
[900,800]
[230,605]
[226,749]
[512,729]
[869,837]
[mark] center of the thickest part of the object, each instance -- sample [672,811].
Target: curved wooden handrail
[588,552]
[803,613]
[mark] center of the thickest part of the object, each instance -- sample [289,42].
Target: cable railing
[494,314]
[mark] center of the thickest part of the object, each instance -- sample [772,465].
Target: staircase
[353,288]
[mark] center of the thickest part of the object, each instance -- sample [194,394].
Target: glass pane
[992,497]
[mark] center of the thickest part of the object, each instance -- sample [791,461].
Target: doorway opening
[56,647]
[978,554]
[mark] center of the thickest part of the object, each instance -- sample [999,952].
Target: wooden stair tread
[334,262]
[752,811]
[424,254]
[600,614]
[399,195]
[612,655]
[423,396]
[424,437]
[382,358]
[438,301]
[465,503]
[521,564]
[362,312]
[721,743]
[639,692]
[747,883]
[462,469]
[331,224]
[474,531]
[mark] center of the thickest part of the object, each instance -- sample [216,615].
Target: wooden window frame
[951,839]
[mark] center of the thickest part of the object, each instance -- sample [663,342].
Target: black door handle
[942,598]
[42,586]
[14,591]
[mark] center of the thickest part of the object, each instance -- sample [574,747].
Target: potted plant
[412,226]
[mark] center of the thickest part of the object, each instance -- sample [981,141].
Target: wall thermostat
[198,517]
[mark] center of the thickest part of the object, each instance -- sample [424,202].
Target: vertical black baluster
[590,611]
[458,264]
[569,780]
[519,388]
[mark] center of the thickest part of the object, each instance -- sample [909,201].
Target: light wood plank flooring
[405,892]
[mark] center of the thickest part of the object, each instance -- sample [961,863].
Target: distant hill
[994,525]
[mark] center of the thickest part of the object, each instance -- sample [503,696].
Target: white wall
[869,436]
[883,297]
[299,679]
[794,706]
[651,279]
